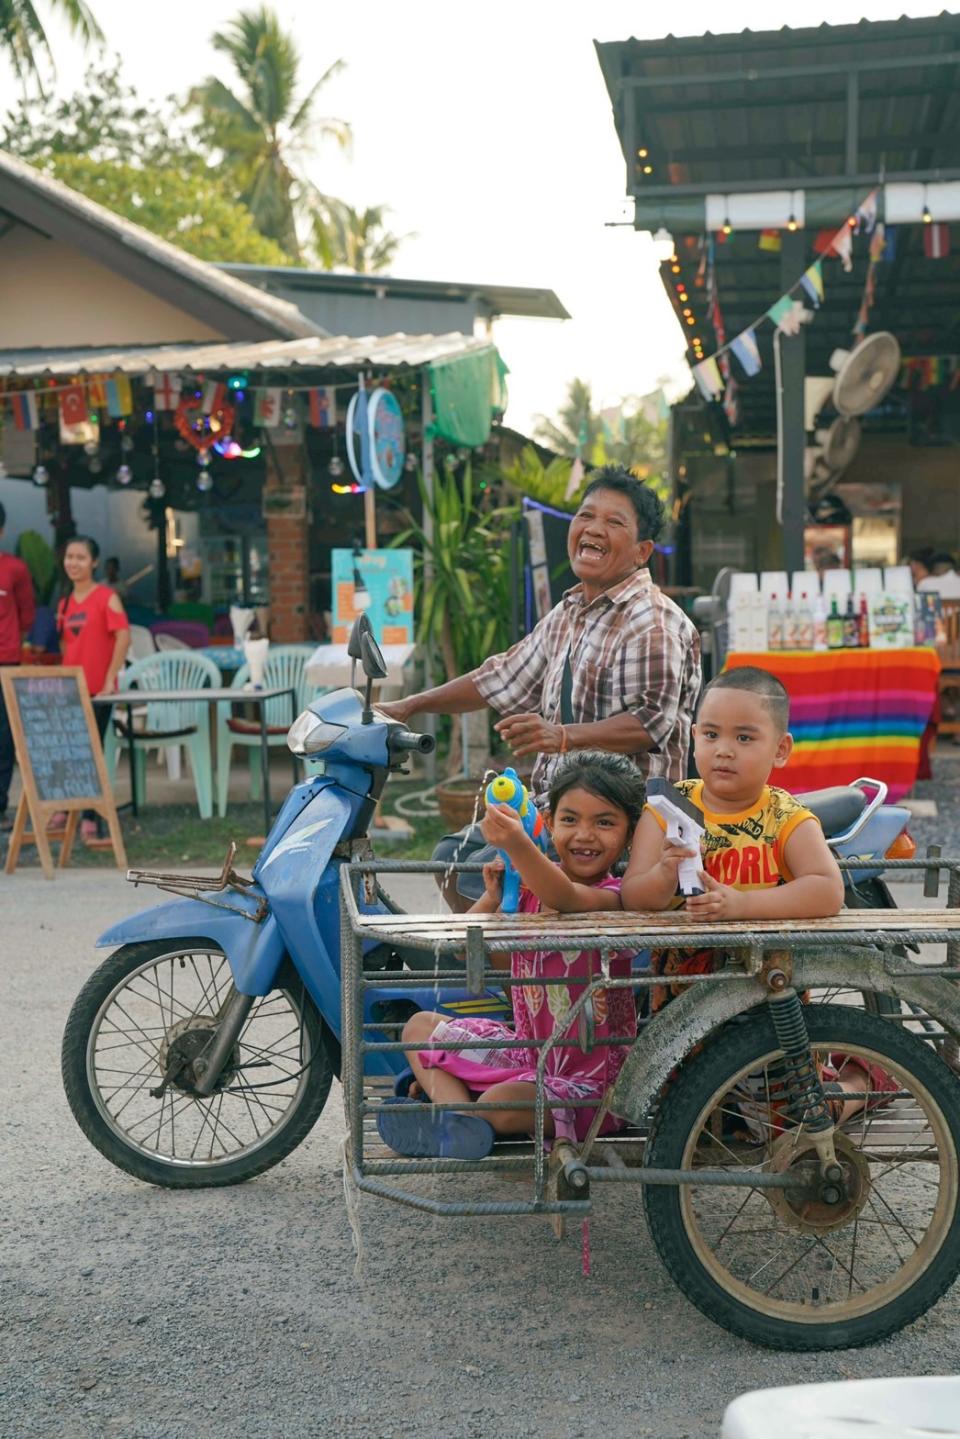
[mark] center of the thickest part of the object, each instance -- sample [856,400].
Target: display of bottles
[863,624]
[775,624]
[819,623]
[851,626]
[834,627]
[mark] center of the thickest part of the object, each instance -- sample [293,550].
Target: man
[614,666]
[17,612]
[942,579]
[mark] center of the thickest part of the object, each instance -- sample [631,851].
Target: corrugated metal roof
[498,299]
[16,175]
[343,352]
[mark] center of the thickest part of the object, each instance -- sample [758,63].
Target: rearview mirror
[374,665]
[361,627]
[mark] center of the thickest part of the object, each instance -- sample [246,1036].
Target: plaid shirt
[631,649]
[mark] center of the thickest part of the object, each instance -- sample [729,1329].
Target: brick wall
[288,551]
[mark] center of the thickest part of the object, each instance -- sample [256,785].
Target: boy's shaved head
[757,682]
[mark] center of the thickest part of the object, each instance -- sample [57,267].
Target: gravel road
[135,1312]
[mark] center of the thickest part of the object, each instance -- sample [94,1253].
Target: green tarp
[468,393]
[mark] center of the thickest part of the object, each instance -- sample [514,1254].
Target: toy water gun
[684,823]
[508,788]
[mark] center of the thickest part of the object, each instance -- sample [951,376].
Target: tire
[690,1224]
[162,1140]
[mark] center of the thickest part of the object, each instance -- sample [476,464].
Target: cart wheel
[774,1266]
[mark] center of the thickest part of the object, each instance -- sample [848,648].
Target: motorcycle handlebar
[407,739]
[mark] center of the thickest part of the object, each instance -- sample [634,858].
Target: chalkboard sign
[60,757]
[57,736]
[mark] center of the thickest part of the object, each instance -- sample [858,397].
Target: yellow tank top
[746,850]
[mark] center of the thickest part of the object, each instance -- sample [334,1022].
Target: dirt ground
[132,1311]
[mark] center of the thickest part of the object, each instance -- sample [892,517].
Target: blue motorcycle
[201,1052]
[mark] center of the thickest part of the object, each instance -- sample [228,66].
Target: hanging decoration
[747,351]
[118,396]
[25,413]
[266,408]
[770,241]
[323,407]
[936,241]
[166,390]
[73,405]
[203,430]
[812,283]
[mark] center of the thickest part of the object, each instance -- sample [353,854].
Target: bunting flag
[119,397]
[323,408]
[889,244]
[866,213]
[25,412]
[770,241]
[166,390]
[575,480]
[936,241]
[746,350]
[812,282]
[73,405]
[878,243]
[708,378]
[97,391]
[781,313]
[214,397]
[843,247]
[266,408]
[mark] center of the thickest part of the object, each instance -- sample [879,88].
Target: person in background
[94,633]
[111,576]
[943,578]
[921,564]
[826,559]
[17,611]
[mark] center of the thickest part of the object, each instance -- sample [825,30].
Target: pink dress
[537,1011]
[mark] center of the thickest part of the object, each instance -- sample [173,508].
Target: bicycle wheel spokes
[789,1253]
[129,1050]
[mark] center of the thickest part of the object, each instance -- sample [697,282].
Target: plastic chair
[169,642]
[285,667]
[165,724]
[141,642]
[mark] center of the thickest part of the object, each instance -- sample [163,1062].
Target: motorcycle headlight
[309,734]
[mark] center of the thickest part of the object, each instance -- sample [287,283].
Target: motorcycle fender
[255,951]
[692,1016]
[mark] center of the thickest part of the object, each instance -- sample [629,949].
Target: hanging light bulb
[792,223]
[727,227]
[95,465]
[157,489]
[335,467]
[41,475]
[203,458]
[410,463]
[91,447]
[204,481]
[927,217]
[126,443]
[124,475]
[290,417]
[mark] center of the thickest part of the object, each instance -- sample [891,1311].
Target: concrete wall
[52,294]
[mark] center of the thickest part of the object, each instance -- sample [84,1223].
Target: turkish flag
[73,405]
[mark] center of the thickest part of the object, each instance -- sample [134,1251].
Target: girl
[594,804]
[94,633]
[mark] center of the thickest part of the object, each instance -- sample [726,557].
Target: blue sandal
[433,1133]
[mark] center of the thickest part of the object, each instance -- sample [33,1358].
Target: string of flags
[713,374]
[929,372]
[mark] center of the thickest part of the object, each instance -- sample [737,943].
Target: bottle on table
[803,622]
[863,624]
[851,626]
[819,623]
[775,624]
[834,627]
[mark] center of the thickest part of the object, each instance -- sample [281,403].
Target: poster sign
[379,583]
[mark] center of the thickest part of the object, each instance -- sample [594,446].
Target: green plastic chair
[285,667]
[165,724]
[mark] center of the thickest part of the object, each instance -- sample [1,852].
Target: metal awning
[339,353]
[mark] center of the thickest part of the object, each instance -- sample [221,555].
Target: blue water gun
[508,788]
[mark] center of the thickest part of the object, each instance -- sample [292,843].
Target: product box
[929,628]
[891,620]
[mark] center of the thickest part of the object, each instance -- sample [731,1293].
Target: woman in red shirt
[94,633]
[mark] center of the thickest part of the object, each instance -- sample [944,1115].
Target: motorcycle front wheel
[140,1013]
[777,1266]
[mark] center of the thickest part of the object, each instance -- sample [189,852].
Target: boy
[765,856]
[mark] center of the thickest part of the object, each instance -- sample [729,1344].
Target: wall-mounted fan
[864,375]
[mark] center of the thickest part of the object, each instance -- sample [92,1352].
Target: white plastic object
[241,618]
[868,581]
[255,653]
[681,829]
[850,1409]
[836,582]
[898,579]
[774,582]
[742,583]
[805,582]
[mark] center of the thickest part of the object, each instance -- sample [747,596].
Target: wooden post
[370,517]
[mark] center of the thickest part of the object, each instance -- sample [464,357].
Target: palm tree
[263,129]
[354,239]
[22,34]
[577,426]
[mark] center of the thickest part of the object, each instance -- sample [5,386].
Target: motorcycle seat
[836,808]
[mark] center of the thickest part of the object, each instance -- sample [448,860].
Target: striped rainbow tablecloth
[853,713]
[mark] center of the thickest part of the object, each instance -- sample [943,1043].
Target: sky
[487,130]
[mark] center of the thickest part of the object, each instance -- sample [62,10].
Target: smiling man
[614,666]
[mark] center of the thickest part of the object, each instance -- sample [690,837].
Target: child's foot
[432,1133]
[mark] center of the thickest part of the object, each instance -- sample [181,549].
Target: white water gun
[684,823]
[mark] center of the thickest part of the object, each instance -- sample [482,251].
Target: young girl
[594,804]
